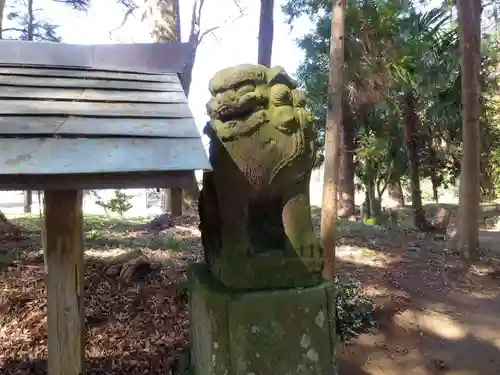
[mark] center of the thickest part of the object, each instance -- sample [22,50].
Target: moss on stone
[254,207]
[280,332]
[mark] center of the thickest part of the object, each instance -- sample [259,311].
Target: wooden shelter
[76,117]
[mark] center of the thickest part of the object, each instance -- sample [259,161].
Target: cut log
[441,220]
[129,267]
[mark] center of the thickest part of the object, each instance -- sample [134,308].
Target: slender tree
[2,10]
[266,32]
[332,140]
[28,194]
[469,18]
[25,26]
[164,21]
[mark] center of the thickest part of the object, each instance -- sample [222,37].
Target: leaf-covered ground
[434,314]
[135,328]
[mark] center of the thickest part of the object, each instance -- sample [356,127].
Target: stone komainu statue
[254,205]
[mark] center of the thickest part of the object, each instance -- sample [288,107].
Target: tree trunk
[469,17]
[396,191]
[266,32]
[2,11]
[411,127]
[332,140]
[31,20]
[166,27]
[347,167]
[28,201]
[370,199]
[28,194]
[434,167]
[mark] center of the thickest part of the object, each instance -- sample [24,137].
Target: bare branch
[240,7]
[14,29]
[131,9]
[195,21]
[200,8]
[229,20]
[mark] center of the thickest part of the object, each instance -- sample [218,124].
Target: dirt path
[435,316]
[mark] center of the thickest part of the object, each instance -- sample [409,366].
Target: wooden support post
[176,202]
[64,250]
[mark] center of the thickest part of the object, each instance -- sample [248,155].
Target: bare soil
[435,314]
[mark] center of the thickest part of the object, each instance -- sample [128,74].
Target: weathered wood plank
[162,57]
[131,57]
[124,180]
[31,124]
[87,74]
[174,128]
[49,93]
[47,107]
[81,83]
[74,125]
[100,155]
[46,53]
[64,254]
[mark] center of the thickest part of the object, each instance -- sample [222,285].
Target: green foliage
[119,204]
[355,312]
[394,47]
[92,234]
[173,243]
[23,25]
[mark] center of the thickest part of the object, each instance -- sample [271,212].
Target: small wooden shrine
[76,117]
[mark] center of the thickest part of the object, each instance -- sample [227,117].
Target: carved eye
[281,95]
[245,89]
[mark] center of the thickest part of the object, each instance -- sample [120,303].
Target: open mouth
[234,114]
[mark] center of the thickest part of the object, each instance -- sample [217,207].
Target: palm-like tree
[392,68]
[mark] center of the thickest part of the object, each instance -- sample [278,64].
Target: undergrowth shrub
[355,312]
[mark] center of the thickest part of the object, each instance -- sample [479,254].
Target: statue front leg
[302,241]
[233,210]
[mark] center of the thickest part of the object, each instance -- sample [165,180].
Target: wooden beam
[42,156]
[64,243]
[86,181]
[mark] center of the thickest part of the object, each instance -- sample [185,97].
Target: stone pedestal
[275,332]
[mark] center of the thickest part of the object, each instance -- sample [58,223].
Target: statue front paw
[310,249]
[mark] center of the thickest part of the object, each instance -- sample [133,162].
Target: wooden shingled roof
[95,117]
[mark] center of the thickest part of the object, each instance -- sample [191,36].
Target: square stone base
[276,332]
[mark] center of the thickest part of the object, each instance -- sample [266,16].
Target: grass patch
[103,232]
[174,243]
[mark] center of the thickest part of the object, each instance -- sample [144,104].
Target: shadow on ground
[435,314]
[162,361]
